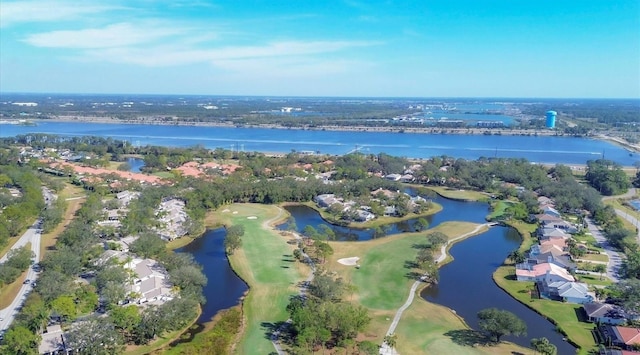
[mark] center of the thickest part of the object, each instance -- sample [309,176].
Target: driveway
[615,262]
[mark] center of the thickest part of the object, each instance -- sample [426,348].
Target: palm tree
[600,268]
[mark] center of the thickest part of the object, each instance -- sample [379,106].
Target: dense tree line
[18,260]
[607,177]
[19,212]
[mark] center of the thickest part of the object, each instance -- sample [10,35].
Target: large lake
[541,149]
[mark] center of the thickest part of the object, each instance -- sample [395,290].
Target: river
[541,149]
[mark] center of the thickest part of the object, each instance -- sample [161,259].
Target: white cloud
[29,11]
[115,35]
[168,55]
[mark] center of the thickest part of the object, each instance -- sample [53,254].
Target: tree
[543,346]
[20,340]
[496,323]
[65,307]
[326,287]
[517,256]
[95,335]
[420,225]
[600,268]
[148,245]
[437,239]
[125,319]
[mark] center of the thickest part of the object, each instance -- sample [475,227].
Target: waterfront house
[546,272]
[572,292]
[326,200]
[604,313]
[560,260]
[623,337]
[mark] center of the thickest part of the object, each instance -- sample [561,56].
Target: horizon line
[319,96]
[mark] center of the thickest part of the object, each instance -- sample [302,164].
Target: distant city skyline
[423,48]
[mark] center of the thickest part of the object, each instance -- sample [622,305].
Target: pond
[635,204]
[451,211]
[135,163]
[224,288]
[466,284]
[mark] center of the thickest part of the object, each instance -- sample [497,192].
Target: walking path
[385,349]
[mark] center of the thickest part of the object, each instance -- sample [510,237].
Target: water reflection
[224,288]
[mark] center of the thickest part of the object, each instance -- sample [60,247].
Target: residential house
[546,272]
[624,337]
[393,177]
[604,313]
[326,200]
[548,233]
[52,341]
[560,260]
[150,283]
[548,210]
[407,178]
[572,292]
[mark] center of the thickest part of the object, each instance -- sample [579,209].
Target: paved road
[385,349]
[614,258]
[32,235]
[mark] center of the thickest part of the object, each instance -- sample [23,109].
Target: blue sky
[423,48]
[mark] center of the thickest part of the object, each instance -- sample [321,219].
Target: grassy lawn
[498,209]
[563,314]
[594,280]
[265,262]
[455,194]
[163,174]
[596,257]
[428,328]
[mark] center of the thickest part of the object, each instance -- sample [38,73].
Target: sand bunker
[252,217]
[352,261]
[225,211]
[235,212]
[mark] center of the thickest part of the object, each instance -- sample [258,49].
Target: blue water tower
[551,119]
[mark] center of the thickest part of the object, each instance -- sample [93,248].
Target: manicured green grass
[427,328]
[595,280]
[498,209]
[264,262]
[381,285]
[455,194]
[382,280]
[563,314]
